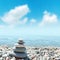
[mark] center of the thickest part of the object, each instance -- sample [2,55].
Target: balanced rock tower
[19,51]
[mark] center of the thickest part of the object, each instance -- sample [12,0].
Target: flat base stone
[18,55]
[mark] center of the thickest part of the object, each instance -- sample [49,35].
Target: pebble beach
[34,53]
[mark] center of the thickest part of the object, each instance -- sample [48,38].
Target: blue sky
[30,17]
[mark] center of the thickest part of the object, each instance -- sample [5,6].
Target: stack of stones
[19,51]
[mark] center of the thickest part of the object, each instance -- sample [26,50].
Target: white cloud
[32,21]
[24,21]
[48,18]
[15,15]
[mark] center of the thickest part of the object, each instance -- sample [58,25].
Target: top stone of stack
[20,42]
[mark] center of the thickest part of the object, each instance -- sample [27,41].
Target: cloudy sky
[30,17]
